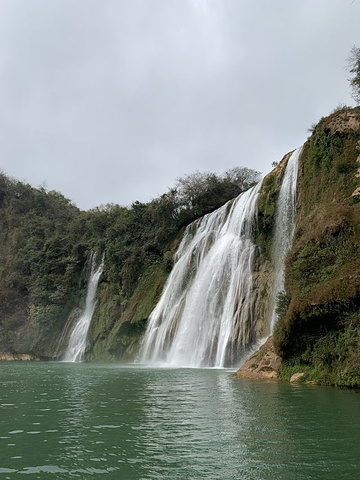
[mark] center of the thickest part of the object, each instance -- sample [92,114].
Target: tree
[201,193]
[353,66]
[243,177]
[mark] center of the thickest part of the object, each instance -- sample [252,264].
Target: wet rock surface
[263,364]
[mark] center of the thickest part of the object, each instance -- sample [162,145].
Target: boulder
[296,377]
[263,364]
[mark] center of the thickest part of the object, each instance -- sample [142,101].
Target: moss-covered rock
[45,241]
[323,266]
[118,327]
[267,206]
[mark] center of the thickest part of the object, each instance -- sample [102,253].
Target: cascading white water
[204,316]
[78,337]
[284,227]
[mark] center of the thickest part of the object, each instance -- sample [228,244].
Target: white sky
[112,100]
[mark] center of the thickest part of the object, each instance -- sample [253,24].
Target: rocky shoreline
[264,364]
[11,357]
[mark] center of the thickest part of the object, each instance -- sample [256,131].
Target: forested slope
[45,242]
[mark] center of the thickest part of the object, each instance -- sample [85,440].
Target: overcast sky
[112,100]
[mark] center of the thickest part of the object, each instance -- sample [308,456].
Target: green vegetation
[40,265]
[45,241]
[201,193]
[318,327]
[116,329]
[267,205]
[333,359]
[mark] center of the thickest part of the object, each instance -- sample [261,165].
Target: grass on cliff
[320,328]
[267,206]
[333,359]
[117,329]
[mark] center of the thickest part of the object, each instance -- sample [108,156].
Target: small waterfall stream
[78,337]
[284,227]
[205,316]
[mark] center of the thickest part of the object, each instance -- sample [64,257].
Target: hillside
[46,241]
[45,244]
[319,313]
[40,268]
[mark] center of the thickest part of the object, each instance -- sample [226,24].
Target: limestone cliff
[318,328]
[319,324]
[45,241]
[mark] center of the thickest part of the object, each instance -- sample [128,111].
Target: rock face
[320,327]
[5,356]
[343,121]
[263,364]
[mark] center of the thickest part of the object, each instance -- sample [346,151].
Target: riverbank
[10,357]
[265,364]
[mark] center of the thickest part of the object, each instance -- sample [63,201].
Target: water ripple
[135,423]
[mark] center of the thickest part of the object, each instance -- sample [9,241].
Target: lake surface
[64,421]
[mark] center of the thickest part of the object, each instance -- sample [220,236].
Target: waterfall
[204,316]
[78,337]
[285,219]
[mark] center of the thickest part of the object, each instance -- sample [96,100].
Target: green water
[64,421]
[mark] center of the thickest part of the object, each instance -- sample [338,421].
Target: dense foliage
[40,262]
[139,245]
[45,240]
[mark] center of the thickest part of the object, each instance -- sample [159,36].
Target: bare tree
[353,66]
[203,192]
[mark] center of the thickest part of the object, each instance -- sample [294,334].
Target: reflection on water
[83,421]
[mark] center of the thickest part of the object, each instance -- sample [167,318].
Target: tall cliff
[319,313]
[45,242]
